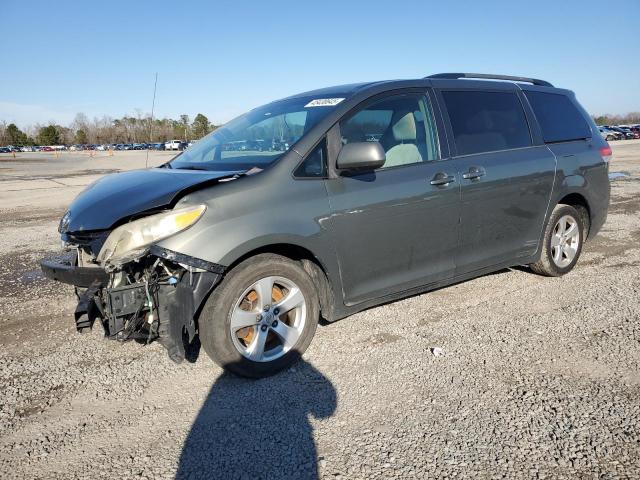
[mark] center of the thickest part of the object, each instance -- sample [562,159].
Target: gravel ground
[538,377]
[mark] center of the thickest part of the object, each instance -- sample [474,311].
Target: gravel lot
[539,377]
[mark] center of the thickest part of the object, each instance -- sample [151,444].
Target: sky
[221,58]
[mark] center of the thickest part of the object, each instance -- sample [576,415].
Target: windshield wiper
[192,167]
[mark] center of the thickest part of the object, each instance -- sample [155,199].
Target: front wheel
[562,242]
[261,318]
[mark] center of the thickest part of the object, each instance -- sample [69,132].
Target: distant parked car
[4,150]
[173,145]
[46,149]
[626,134]
[628,131]
[635,131]
[609,134]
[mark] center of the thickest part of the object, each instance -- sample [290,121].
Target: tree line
[607,119]
[140,128]
[136,128]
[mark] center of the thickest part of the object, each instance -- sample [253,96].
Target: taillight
[606,153]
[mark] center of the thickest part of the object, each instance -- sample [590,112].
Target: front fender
[256,213]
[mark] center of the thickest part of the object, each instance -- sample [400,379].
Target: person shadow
[253,429]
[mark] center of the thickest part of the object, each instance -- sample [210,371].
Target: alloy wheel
[565,241]
[268,319]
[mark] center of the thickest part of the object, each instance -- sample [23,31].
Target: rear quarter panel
[581,170]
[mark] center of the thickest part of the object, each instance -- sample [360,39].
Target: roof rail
[489,76]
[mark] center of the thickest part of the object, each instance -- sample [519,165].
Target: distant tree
[81,136]
[201,126]
[65,135]
[15,136]
[49,135]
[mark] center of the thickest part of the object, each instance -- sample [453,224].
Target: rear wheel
[261,318]
[562,242]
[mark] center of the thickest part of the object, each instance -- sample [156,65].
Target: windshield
[257,138]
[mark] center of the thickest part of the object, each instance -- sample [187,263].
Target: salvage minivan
[329,202]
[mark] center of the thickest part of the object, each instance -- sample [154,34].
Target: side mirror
[361,156]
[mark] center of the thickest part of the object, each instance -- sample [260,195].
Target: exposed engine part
[154,297]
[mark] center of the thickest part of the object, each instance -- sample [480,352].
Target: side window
[403,124]
[315,164]
[559,118]
[486,121]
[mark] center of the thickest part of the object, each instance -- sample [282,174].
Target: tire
[236,299]
[610,138]
[554,261]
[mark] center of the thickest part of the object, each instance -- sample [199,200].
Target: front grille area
[91,241]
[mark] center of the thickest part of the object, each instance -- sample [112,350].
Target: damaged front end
[135,288]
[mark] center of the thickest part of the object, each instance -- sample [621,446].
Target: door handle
[442,179]
[474,173]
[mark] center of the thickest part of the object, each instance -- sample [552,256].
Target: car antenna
[153,106]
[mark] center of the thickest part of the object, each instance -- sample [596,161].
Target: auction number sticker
[323,102]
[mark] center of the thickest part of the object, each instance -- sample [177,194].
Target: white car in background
[172,145]
[609,135]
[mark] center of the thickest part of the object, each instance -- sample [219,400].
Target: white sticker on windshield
[323,102]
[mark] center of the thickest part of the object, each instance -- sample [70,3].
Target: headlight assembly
[131,240]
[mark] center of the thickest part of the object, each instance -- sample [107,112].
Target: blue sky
[222,58]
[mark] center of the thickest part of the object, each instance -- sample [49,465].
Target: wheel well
[311,265]
[578,202]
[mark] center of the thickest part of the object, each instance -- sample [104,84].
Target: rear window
[559,118]
[486,121]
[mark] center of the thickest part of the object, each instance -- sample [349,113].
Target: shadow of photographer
[258,429]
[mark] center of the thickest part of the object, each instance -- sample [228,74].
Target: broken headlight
[131,240]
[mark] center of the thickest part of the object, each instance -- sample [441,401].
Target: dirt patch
[22,160]
[79,173]
[626,206]
[21,216]
[20,272]
[381,339]
[606,248]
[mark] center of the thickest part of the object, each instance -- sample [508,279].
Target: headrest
[405,128]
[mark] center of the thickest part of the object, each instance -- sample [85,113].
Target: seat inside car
[405,150]
[491,136]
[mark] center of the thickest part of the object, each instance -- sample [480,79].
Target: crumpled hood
[121,195]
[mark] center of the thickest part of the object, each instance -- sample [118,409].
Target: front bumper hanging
[160,299]
[63,269]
